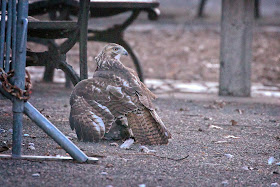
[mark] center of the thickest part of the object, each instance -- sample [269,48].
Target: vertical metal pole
[84,11]
[14,32]
[2,32]
[8,38]
[19,81]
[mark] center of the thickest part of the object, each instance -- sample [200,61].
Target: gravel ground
[202,129]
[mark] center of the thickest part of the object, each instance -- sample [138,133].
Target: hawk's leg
[130,141]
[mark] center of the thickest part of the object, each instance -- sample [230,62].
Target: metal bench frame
[13,36]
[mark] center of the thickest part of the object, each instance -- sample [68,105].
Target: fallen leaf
[109,165]
[233,122]
[215,127]
[271,160]
[231,136]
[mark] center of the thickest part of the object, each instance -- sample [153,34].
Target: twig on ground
[152,154]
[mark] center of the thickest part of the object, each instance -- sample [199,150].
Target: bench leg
[201,8]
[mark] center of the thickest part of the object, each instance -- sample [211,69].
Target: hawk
[115,93]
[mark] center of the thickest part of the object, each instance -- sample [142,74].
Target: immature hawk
[115,93]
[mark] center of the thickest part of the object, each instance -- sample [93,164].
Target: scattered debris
[200,129]
[4,146]
[73,135]
[109,186]
[184,109]
[231,136]
[215,127]
[114,144]
[36,175]
[26,135]
[10,131]
[103,173]
[42,110]
[109,165]
[207,118]
[219,142]
[142,185]
[275,172]
[220,104]
[225,183]
[247,168]
[127,144]
[275,184]
[272,120]
[31,146]
[146,149]
[278,164]
[229,156]
[271,160]
[69,137]
[239,111]
[32,136]
[2,131]
[233,122]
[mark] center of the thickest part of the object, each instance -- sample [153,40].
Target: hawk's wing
[95,104]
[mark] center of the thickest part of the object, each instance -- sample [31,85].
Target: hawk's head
[114,51]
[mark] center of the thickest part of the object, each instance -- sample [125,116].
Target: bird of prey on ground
[115,93]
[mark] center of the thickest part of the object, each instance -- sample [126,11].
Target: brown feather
[113,92]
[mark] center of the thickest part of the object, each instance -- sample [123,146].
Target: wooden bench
[61,11]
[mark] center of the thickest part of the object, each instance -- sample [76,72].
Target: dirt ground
[216,141]
[203,133]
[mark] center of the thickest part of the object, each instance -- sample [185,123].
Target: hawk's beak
[124,52]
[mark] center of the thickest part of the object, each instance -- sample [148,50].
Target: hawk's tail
[148,128]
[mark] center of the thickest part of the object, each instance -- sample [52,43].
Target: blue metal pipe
[8,38]
[2,31]
[14,32]
[50,129]
[19,78]
[54,133]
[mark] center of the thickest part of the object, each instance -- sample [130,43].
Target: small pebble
[270,160]
[274,184]
[245,168]
[229,155]
[114,144]
[207,118]
[26,135]
[31,147]
[225,183]
[104,173]
[10,130]
[2,131]
[109,186]
[73,135]
[145,149]
[36,175]
[142,185]
[31,144]
[278,163]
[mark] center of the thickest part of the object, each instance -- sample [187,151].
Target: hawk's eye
[115,49]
